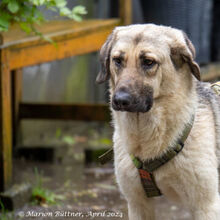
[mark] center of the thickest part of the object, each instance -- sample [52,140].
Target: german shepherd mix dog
[157,101]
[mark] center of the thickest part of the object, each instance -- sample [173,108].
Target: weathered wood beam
[16,100]
[82,112]
[32,53]
[125,12]
[5,123]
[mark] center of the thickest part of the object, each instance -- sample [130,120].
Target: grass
[5,214]
[41,195]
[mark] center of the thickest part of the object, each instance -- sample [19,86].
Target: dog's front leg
[209,211]
[139,206]
[140,211]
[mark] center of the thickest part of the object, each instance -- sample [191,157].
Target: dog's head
[145,62]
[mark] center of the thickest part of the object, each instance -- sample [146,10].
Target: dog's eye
[117,61]
[147,63]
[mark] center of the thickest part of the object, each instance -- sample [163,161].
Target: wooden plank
[66,48]
[5,123]
[210,72]
[57,30]
[83,112]
[125,7]
[16,100]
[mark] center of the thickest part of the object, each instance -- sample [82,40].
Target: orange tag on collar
[149,184]
[144,174]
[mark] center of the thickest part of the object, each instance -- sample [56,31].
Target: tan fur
[191,178]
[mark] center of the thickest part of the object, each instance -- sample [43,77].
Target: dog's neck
[148,135]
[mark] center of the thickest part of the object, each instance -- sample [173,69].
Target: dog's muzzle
[124,101]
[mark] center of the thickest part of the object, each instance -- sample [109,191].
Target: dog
[155,91]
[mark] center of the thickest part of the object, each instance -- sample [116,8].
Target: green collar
[146,168]
[153,164]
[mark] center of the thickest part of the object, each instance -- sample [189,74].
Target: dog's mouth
[125,104]
[133,109]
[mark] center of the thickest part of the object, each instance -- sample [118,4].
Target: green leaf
[13,7]
[65,11]
[75,17]
[60,3]
[51,3]
[4,21]
[39,16]
[24,11]
[3,29]
[25,27]
[41,2]
[80,10]
[5,1]
[37,2]
[69,140]
[16,18]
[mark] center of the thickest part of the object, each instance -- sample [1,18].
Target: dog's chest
[142,138]
[136,144]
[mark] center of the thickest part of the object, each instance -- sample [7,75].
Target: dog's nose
[122,100]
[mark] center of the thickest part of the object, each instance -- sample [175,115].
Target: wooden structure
[17,50]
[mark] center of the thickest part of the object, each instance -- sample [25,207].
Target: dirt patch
[82,191]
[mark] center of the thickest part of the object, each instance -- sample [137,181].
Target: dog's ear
[105,51]
[185,53]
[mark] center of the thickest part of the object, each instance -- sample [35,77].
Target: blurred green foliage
[29,12]
[41,195]
[4,213]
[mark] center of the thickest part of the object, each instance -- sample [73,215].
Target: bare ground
[91,191]
[83,192]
